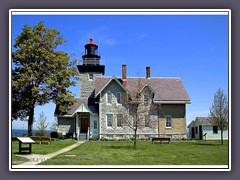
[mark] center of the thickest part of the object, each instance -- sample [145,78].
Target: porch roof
[84,102]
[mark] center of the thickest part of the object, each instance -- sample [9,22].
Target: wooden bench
[41,139]
[46,139]
[161,139]
[37,139]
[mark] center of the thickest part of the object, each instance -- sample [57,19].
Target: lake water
[18,132]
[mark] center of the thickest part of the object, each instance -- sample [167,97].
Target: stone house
[202,128]
[102,109]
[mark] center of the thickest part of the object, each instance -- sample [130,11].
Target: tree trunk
[30,121]
[222,136]
[135,139]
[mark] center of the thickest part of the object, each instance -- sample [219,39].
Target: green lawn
[122,153]
[39,149]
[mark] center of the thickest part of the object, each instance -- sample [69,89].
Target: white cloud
[199,113]
[100,36]
[108,41]
[104,36]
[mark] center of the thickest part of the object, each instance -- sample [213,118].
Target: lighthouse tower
[90,69]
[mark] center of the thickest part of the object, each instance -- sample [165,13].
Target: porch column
[77,126]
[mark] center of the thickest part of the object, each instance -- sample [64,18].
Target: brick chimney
[124,75]
[148,72]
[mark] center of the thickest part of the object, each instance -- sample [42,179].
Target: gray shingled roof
[204,120]
[192,124]
[75,106]
[166,89]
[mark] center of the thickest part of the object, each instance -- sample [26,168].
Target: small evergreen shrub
[53,134]
[60,136]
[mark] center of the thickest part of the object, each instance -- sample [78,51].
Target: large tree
[41,72]
[219,111]
[137,115]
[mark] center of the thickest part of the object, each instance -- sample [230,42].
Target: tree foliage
[40,73]
[41,128]
[219,111]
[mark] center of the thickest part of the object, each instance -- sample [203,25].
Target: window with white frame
[118,97]
[109,120]
[168,121]
[95,124]
[119,120]
[109,97]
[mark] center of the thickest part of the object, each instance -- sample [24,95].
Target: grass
[39,149]
[18,160]
[122,153]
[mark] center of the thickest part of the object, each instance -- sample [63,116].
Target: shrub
[54,134]
[184,139]
[132,139]
[103,139]
[60,136]
[69,135]
[92,139]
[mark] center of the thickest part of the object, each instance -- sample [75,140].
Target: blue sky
[192,47]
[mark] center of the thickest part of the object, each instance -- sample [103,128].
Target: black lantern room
[91,59]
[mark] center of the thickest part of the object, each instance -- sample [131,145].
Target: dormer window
[146,98]
[118,97]
[109,97]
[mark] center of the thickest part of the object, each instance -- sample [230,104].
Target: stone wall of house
[87,85]
[114,108]
[178,114]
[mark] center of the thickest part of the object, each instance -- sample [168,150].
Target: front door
[200,132]
[84,125]
[193,133]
